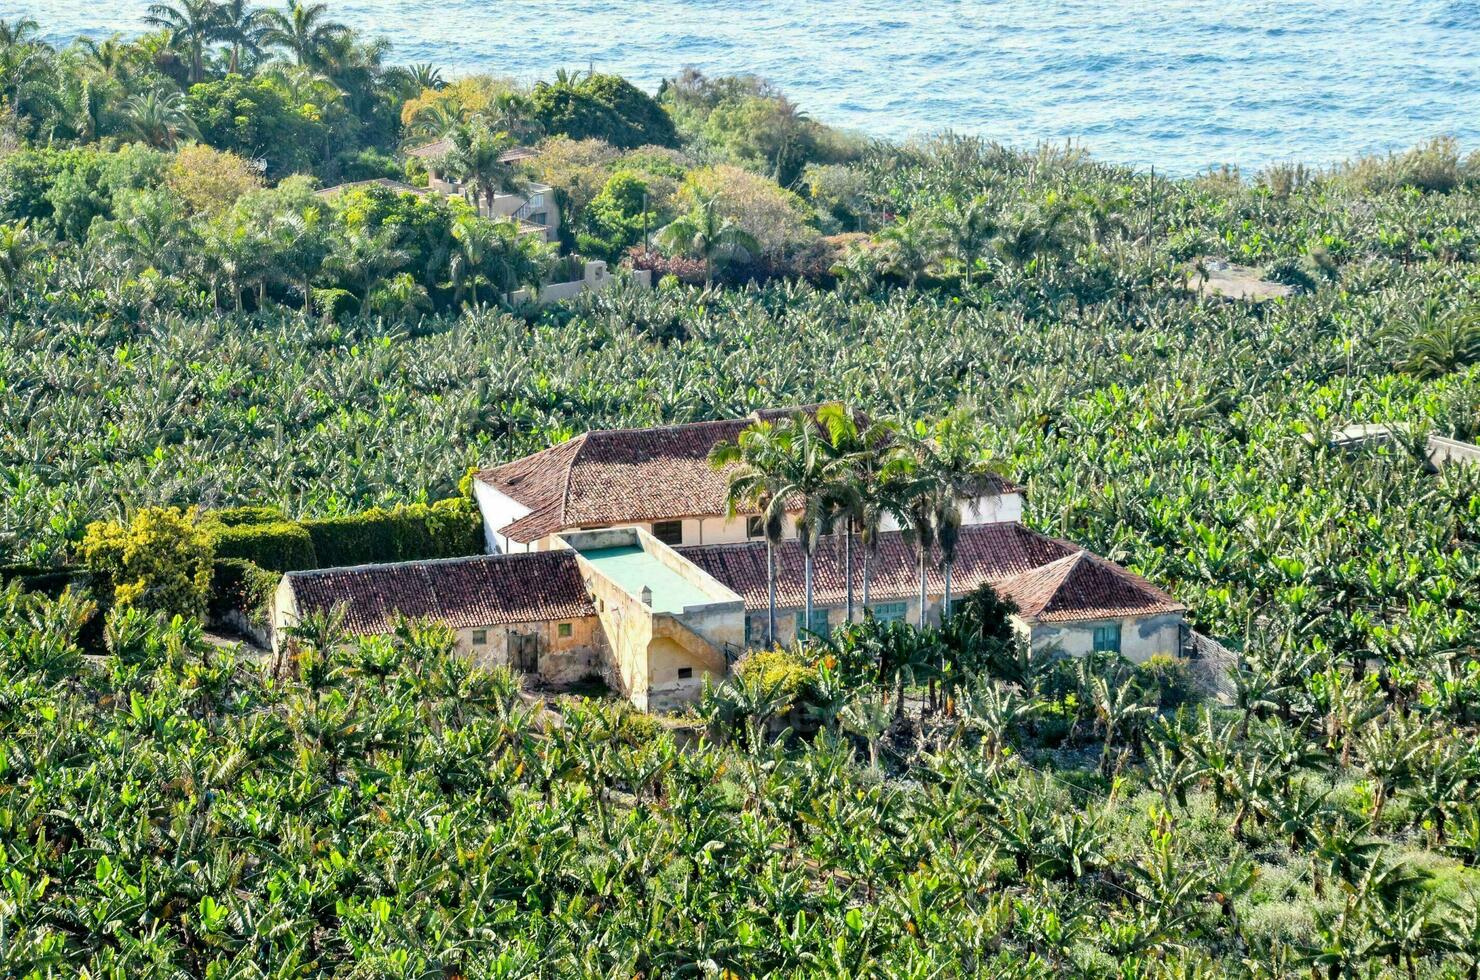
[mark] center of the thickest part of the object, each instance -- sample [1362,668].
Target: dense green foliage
[180,330]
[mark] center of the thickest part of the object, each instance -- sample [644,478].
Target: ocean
[1179,85]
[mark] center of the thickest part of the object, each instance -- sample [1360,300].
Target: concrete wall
[498,511]
[1140,638]
[560,660]
[596,279]
[648,649]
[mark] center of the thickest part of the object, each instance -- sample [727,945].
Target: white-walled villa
[611,554]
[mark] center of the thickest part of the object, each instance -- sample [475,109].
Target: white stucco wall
[498,511]
[1140,638]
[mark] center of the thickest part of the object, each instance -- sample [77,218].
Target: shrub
[209,181]
[159,562]
[251,514]
[238,585]
[1170,678]
[449,528]
[38,578]
[791,669]
[280,545]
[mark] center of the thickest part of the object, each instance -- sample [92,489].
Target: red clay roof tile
[486,590]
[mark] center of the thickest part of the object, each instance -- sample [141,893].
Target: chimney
[647,597]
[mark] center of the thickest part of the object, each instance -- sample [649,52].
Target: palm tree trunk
[771,590]
[807,584]
[867,560]
[848,567]
[945,602]
[924,559]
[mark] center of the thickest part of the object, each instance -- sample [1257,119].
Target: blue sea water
[1179,85]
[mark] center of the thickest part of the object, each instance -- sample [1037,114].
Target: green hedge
[449,528]
[281,546]
[48,579]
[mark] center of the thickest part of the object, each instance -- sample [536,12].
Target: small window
[684,673]
[754,528]
[539,218]
[480,637]
[563,631]
[1107,638]
[669,532]
[889,612]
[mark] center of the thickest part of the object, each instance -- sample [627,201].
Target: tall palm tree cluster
[137,89]
[832,472]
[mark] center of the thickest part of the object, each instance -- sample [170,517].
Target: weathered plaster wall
[560,660]
[1139,637]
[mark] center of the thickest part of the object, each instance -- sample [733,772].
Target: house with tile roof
[534,208]
[658,479]
[611,554]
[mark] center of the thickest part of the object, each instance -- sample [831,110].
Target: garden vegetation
[189,329]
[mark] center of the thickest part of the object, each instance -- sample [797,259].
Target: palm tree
[108,58]
[242,27]
[193,26]
[945,465]
[909,246]
[476,240]
[303,31]
[859,502]
[968,228]
[756,483]
[707,234]
[476,159]
[19,246]
[1441,340]
[159,119]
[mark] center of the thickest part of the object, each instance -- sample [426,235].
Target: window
[819,621]
[754,528]
[563,631]
[684,673]
[669,532]
[889,612]
[1107,638]
[755,629]
[539,218]
[480,637]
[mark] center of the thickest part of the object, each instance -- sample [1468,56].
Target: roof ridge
[416,563]
[570,468]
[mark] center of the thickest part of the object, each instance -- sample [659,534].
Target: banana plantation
[381,808]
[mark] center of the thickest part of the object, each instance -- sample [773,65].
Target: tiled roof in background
[486,590]
[620,476]
[1051,580]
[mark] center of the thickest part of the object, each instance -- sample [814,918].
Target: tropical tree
[1440,340]
[159,118]
[909,246]
[704,233]
[968,227]
[19,247]
[193,25]
[304,31]
[756,472]
[242,27]
[477,159]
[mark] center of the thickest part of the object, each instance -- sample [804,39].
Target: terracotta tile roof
[1051,580]
[485,590]
[620,476]
[1084,586]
